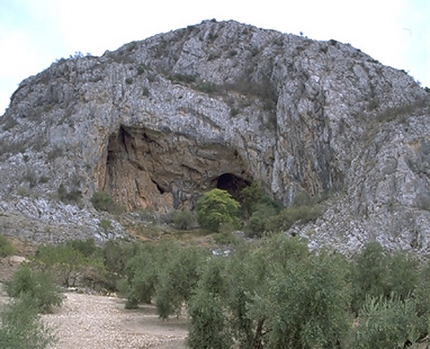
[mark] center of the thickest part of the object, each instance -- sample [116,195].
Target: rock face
[221,104]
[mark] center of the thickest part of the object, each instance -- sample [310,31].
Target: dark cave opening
[232,183]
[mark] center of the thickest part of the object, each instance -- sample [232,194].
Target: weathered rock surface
[160,121]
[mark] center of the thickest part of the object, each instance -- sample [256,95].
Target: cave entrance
[232,183]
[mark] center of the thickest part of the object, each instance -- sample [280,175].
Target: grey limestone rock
[159,121]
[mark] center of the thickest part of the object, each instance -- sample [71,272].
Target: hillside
[158,122]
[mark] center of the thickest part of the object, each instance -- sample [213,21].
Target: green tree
[273,294]
[386,323]
[209,327]
[179,277]
[72,262]
[378,272]
[21,328]
[37,285]
[142,274]
[216,207]
[308,305]
[209,323]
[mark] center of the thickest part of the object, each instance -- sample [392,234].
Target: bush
[38,286]
[289,216]
[250,196]
[102,201]
[184,220]
[257,224]
[21,328]
[6,248]
[216,207]
[206,86]
[69,197]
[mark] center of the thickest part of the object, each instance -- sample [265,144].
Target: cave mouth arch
[233,184]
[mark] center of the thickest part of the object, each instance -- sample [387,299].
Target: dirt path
[96,322]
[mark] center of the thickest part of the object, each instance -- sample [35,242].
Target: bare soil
[99,322]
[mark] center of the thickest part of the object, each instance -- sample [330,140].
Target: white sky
[34,33]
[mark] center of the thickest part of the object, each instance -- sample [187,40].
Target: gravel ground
[97,322]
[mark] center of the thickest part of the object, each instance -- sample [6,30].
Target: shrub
[250,196]
[286,218]
[216,207]
[37,285]
[257,224]
[6,248]
[206,86]
[20,326]
[105,224]
[187,78]
[102,201]
[141,69]
[184,220]
[69,197]
[307,305]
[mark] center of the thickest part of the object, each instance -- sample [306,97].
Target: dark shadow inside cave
[232,183]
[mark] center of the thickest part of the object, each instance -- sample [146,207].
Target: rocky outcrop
[158,122]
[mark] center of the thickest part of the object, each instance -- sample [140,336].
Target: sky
[36,33]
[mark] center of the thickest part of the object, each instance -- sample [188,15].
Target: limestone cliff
[157,122]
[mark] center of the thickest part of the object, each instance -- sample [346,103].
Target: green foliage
[275,293]
[37,285]
[102,201]
[21,328]
[386,323]
[184,220]
[141,68]
[142,274]
[105,224]
[261,214]
[187,78]
[209,327]
[206,86]
[250,197]
[74,196]
[116,255]
[209,324]
[72,263]
[179,276]
[216,207]
[380,273]
[307,305]
[6,247]
[289,216]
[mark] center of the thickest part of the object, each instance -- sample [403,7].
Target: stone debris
[98,322]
